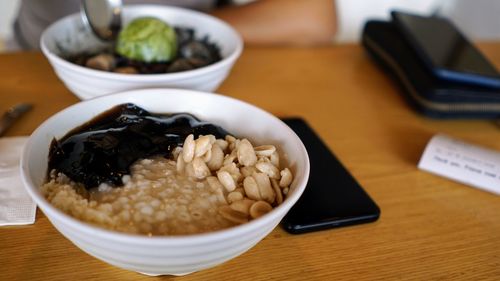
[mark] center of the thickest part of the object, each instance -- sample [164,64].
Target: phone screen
[442,44]
[332,197]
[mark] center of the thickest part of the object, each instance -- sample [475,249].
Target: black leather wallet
[426,93]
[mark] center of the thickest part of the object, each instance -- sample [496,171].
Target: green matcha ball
[147,39]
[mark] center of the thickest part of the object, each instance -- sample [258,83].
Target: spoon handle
[13,114]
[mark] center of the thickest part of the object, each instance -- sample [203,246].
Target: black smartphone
[332,198]
[447,53]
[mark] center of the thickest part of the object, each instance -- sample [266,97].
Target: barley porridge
[203,184]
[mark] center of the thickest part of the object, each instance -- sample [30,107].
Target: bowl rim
[145,77]
[140,239]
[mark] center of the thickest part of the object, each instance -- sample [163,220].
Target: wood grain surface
[430,228]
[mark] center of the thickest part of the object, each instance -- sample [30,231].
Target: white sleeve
[352,14]
[478,20]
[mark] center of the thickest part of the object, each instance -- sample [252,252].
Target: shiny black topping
[103,149]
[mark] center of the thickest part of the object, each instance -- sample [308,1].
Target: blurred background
[8,10]
[479,19]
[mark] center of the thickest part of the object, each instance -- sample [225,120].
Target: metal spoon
[103,17]
[13,114]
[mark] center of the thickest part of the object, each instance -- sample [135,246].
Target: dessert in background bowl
[180,253]
[68,37]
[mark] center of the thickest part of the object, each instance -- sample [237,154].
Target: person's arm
[283,22]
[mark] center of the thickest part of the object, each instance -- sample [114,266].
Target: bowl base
[160,274]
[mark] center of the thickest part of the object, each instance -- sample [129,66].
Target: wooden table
[430,227]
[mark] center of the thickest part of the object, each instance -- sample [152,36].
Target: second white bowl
[69,35]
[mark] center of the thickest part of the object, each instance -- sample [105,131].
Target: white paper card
[463,162]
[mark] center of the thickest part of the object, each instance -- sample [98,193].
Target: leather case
[426,93]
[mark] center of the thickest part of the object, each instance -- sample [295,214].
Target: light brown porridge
[209,185]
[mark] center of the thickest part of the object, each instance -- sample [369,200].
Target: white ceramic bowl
[168,254]
[69,35]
